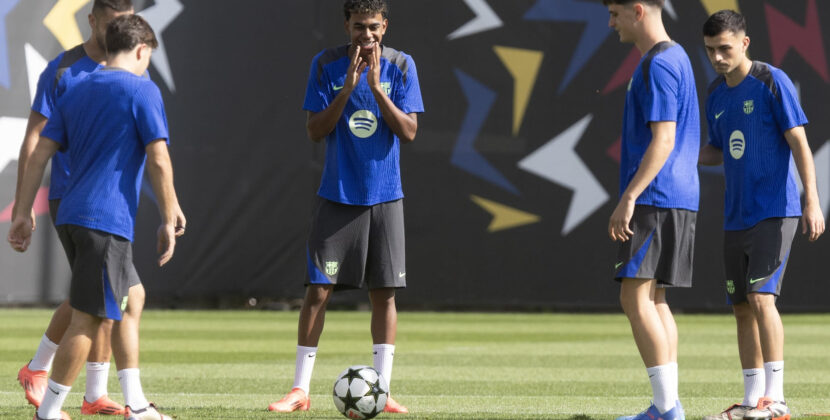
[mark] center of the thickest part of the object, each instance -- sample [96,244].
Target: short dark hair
[117,5]
[658,3]
[365,6]
[724,21]
[127,31]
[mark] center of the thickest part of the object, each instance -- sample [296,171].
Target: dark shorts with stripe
[102,270]
[662,247]
[755,259]
[350,246]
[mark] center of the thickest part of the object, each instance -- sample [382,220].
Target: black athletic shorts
[102,270]
[755,259]
[662,247]
[350,246]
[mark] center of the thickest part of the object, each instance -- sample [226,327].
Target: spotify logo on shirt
[363,123]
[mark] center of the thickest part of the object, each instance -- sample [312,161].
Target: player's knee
[760,302]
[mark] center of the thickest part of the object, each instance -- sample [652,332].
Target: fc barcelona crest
[730,286]
[749,106]
[331,267]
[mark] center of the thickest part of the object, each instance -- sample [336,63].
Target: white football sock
[97,374]
[662,385]
[44,355]
[306,356]
[774,372]
[384,355]
[131,386]
[53,398]
[753,386]
[674,383]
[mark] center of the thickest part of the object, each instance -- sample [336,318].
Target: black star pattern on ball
[350,400]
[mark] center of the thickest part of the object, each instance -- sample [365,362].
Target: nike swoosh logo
[719,114]
[618,265]
[401,275]
[776,370]
[749,376]
[336,88]
[53,391]
[753,281]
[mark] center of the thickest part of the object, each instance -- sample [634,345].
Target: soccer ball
[360,392]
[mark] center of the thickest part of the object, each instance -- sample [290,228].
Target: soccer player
[659,193]
[756,127]
[61,74]
[109,124]
[363,98]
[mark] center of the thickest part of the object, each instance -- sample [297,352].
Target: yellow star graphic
[504,217]
[61,22]
[523,65]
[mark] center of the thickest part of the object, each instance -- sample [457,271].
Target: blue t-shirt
[663,89]
[105,125]
[60,75]
[362,153]
[750,119]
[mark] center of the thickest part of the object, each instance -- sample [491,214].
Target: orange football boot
[293,401]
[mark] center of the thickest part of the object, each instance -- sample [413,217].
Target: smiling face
[366,30]
[726,51]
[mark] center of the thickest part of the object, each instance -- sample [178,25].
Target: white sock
[44,355]
[53,398]
[753,386]
[662,384]
[131,386]
[674,383]
[384,355]
[306,356]
[774,372]
[97,374]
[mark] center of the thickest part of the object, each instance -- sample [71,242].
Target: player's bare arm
[160,172]
[320,124]
[662,144]
[812,219]
[710,156]
[33,128]
[404,125]
[20,232]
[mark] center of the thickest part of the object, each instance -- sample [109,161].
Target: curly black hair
[365,6]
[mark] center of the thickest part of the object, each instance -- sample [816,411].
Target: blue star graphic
[6,6]
[594,14]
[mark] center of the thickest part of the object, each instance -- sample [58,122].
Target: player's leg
[33,376]
[659,255]
[338,233]
[69,359]
[96,398]
[667,319]
[736,245]
[385,272]
[771,244]
[309,329]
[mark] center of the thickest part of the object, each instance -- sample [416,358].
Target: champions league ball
[360,392]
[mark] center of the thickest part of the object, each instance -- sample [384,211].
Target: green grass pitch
[232,364]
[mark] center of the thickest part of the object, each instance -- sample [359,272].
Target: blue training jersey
[748,122]
[663,89]
[104,125]
[60,75]
[362,153]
